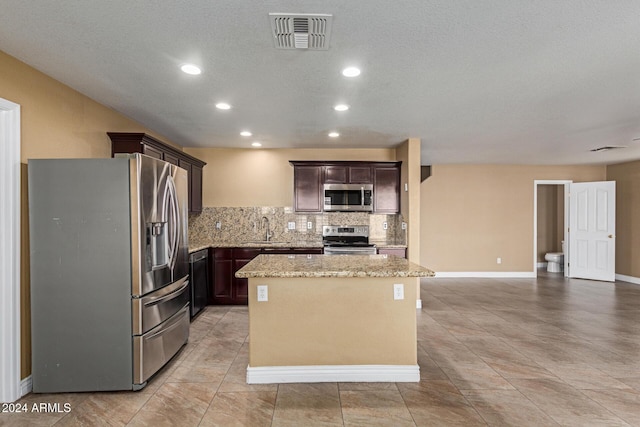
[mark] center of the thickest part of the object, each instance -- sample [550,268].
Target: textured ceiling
[511,81]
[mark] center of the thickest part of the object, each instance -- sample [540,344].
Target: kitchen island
[318,318]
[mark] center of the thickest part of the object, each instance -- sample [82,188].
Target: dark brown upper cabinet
[335,174]
[360,175]
[307,188]
[127,142]
[386,189]
[347,175]
[309,177]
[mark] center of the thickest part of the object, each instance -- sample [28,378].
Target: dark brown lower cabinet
[221,261]
[241,257]
[225,287]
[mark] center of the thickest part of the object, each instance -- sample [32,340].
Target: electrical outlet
[384,225]
[263,293]
[398,291]
[404,225]
[218,225]
[309,225]
[291,225]
[499,261]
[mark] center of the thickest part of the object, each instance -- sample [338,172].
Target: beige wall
[305,323]
[550,219]
[56,121]
[235,177]
[627,177]
[473,214]
[409,154]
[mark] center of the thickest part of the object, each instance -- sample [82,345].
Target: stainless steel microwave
[348,197]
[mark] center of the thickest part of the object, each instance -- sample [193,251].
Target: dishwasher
[199,272]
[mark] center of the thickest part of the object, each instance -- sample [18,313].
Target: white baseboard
[418,304]
[629,279]
[488,274]
[332,373]
[26,385]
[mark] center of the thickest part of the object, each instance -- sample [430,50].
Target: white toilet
[555,261]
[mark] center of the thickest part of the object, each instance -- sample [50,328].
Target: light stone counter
[199,244]
[389,246]
[331,266]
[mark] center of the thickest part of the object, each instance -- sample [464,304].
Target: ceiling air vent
[301,30]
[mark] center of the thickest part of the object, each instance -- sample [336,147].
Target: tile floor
[499,352]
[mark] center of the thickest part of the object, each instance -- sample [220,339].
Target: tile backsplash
[230,225]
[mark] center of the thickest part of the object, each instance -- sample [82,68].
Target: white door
[592,230]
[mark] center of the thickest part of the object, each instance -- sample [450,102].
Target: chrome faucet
[267,234]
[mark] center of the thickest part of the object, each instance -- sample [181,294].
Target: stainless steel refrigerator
[109,271]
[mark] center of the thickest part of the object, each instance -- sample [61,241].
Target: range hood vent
[301,30]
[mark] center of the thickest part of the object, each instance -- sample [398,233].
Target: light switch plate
[291,225]
[263,293]
[398,291]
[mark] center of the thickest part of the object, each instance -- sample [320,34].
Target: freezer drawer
[155,348]
[154,308]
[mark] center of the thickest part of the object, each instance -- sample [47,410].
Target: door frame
[10,388]
[567,186]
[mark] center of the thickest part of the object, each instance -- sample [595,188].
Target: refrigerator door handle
[168,296]
[172,210]
[176,222]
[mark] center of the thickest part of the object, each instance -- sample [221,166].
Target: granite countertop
[389,246]
[198,245]
[331,266]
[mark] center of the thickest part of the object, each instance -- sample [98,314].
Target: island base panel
[333,321]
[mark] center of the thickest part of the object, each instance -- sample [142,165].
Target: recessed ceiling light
[334,134]
[223,106]
[191,69]
[256,144]
[341,107]
[245,133]
[351,72]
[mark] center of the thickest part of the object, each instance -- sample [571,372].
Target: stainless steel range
[347,240]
